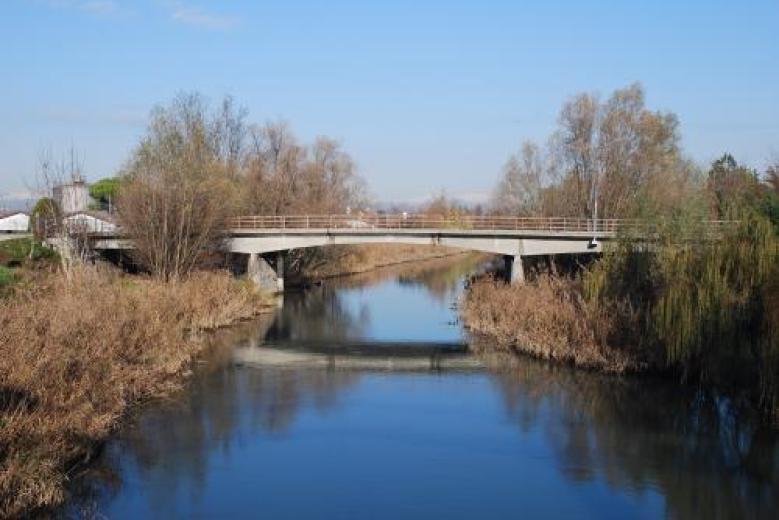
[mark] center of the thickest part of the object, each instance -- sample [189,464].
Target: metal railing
[635,227]
[401,222]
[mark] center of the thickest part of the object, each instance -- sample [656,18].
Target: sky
[425,95]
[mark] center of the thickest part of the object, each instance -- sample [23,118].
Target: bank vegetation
[688,300]
[77,352]
[81,343]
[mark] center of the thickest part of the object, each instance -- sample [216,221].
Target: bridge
[263,239]
[512,237]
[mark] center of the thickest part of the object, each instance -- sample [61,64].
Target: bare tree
[616,155]
[178,187]
[284,177]
[48,220]
[519,190]
[575,151]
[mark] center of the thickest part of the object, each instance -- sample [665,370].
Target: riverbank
[704,312]
[77,352]
[548,319]
[264,415]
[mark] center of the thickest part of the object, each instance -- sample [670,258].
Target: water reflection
[322,403]
[406,303]
[708,457]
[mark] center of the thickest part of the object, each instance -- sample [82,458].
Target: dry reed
[74,354]
[547,319]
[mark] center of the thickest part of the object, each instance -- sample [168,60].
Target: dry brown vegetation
[616,153]
[177,188]
[196,166]
[548,319]
[687,304]
[74,354]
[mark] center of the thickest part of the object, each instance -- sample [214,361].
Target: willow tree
[177,189]
[700,301]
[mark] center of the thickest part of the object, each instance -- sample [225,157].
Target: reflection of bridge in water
[368,356]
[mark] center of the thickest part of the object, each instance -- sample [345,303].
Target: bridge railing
[96,227]
[397,222]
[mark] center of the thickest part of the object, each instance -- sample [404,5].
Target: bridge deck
[517,236]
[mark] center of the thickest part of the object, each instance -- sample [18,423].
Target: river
[361,399]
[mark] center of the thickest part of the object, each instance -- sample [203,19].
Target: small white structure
[15,222]
[90,222]
[73,197]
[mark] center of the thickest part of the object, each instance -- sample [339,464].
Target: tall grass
[74,354]
[548,319]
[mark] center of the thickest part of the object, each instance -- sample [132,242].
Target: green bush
[17,252]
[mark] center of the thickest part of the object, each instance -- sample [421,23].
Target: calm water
[359,399]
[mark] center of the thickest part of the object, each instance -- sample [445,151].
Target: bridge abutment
[259,271]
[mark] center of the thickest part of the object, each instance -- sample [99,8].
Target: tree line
[627,160]
[197,166]
[702,305]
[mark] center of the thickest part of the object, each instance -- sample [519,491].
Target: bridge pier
[280,271]
[514,270]
[259,271]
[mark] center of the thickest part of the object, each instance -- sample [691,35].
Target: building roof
[6,214]
[96,214]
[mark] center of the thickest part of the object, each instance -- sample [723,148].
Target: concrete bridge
[263,239]
[512,237]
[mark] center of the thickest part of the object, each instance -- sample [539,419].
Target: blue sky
[425,95]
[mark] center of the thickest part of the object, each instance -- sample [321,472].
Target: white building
[72,197]
[15,222]
[91,222]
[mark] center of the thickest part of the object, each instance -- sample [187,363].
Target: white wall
[72,197]
[18,222]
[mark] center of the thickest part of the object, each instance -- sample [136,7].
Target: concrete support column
[280,271]
[514,270]
[262,274]
[253,265]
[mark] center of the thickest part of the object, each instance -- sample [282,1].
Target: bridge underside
[268,241]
